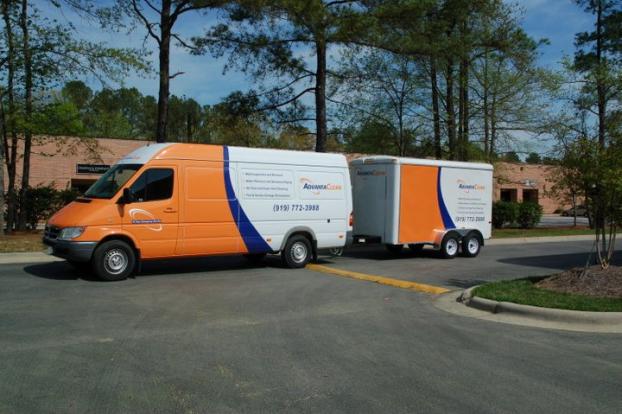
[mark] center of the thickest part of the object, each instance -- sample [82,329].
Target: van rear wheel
[114,260]
[297,252]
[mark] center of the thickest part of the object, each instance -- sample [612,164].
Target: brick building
[527,182]
[67,162]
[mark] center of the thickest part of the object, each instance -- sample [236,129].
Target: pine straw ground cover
[597,290]
[21,242]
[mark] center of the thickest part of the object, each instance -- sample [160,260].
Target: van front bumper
[71,250]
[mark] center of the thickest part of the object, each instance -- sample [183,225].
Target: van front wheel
[297,252]
[114,260]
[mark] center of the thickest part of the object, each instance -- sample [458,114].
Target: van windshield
[109,183]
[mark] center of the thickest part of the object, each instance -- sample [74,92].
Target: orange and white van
[179,200]
[418,202]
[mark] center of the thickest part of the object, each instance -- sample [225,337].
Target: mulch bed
[597,282]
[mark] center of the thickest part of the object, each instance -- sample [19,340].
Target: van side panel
[207,223]
[276,198]
[421,204]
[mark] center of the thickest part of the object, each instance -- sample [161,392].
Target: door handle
[170,210]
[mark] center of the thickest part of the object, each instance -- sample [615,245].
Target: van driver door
[152,217]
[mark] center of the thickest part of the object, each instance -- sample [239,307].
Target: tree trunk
[464,138]
[493,126]
[461,105]
[164,58]
[600,82]
[10,149]
[451,113]
[320,96]
[27,115]
[2,148]
[485,109]
[438,151]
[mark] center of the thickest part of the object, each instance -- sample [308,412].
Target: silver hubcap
[299,252]
[115,261]
[451,247]
[473,245]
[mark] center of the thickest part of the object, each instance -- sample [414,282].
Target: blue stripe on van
[252,239]
[447,221]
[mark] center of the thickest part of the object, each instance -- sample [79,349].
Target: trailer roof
[383,159]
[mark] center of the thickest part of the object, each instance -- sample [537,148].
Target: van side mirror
[127,197]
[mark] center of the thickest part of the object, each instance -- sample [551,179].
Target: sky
[203,78]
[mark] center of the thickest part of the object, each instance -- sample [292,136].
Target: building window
[509,194]
[530,196]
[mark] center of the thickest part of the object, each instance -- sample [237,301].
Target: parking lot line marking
[403,284]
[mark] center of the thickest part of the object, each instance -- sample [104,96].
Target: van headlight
[69,233]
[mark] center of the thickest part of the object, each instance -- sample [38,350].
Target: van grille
[51,232]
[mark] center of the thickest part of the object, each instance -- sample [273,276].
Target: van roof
[207,152]
[383,159]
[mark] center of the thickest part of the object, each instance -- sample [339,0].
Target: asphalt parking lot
[219,335]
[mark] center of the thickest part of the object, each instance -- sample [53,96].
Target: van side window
[153,184]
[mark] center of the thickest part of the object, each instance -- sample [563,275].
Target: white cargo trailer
[417,202]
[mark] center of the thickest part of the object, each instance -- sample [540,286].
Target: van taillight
[351,219]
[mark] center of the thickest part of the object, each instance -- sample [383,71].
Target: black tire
[114,260]
[415,248]
[450,246]
[297,252]
[255,258]
[471,245]
[394,248]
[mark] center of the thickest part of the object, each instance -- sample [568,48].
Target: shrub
[529,214]
[43,201]
[504,212]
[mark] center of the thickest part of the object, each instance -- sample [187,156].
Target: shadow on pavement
[65,271]
[380,253]
[558,261]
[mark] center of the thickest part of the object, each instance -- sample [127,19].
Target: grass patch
[21,242]
[540,232]
[524,292]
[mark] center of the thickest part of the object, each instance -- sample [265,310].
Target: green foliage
[533,158]
[43,201]
[504,213]
[511,156]
[525,292]
[529,214]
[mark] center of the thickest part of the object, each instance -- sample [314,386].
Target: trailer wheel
[297,252]
[114,260]
[394,248]
[471,245]
[415,248]
[450,246]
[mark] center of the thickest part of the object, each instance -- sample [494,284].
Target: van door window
[153,184]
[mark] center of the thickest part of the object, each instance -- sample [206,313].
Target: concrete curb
[544,314]
[27,257]
[548,239]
